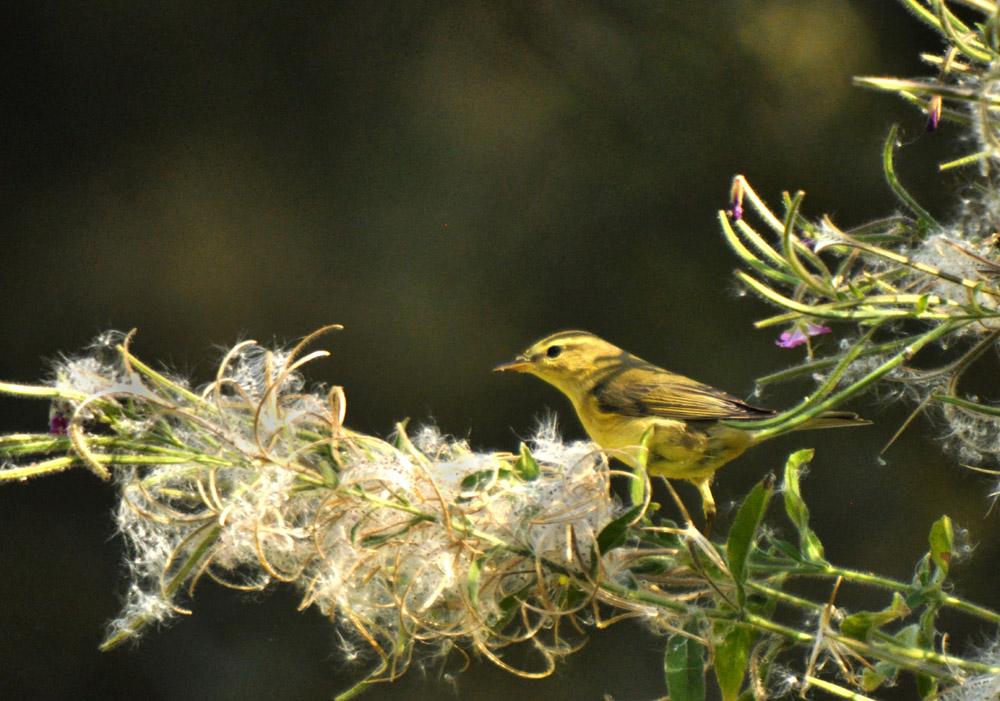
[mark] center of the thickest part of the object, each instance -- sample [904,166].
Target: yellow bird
[618,397]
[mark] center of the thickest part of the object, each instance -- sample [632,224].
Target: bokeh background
[450,181]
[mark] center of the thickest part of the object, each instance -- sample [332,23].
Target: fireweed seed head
[407,542]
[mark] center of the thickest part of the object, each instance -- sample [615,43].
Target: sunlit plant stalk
[424,547]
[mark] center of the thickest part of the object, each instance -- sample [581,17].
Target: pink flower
[799,334]
[58,423]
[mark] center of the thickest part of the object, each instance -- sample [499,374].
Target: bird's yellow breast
[677,449]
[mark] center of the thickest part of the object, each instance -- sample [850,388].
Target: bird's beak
[520,364]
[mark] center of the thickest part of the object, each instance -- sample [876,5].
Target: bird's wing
[670,396]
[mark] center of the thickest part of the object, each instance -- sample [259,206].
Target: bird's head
[568,360]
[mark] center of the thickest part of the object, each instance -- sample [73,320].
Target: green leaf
[809,543]
[475,569]
[326,471]
[794,504]
[882,673]
[573,597]
[684,666]
[811,546]
[662,538]
[637,486]
[914,638]
[652,566]
[786,549]
[860,625]
[371,541]
[476,481]
[652,508]
[928,631]
[401,442]
[908,636]
[924,596]
[731,655]
[927,686]
[613,535]
[744,531]
[942,540]
[510,605]
[923,575]
[527,467]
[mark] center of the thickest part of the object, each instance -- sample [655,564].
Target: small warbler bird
[618,397]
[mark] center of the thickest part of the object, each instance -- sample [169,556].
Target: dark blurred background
[450,181]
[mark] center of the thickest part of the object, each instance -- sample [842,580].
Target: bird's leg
[704,485]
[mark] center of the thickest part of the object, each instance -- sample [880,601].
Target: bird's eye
[553,351]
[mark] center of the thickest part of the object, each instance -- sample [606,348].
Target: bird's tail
[835,419]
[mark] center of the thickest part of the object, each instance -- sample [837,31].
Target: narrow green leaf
[788,248]
[472,581]
[926,220]
[749,258]
[684,666]
[371,541]
[613,535]
[137,622]
[637,486]
[527,467]
[401,441]
[744,531]
[922,577]
[786,549]
[509,606]
[942,540]
[652,567]
[327,473]
[928,631]
[798,512]
[731,655]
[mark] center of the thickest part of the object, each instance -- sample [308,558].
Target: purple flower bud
[934,113]
[736,199]
[58,424]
